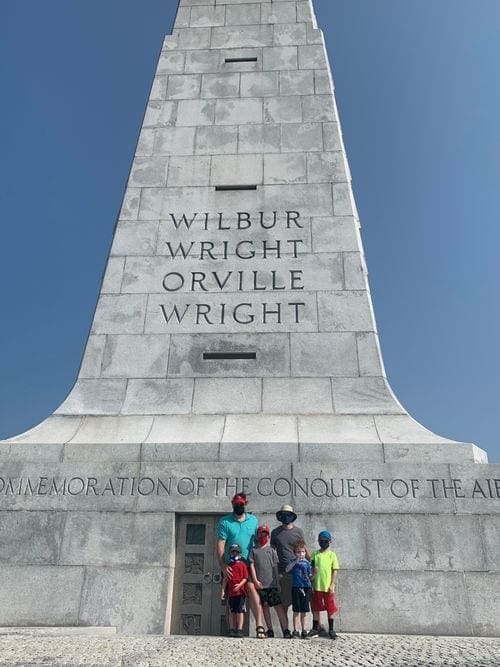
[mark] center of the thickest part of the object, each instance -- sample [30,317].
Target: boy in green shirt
[326,566]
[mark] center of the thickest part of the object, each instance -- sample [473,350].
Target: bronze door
[197,606]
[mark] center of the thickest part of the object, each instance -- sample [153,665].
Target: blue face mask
[287,519]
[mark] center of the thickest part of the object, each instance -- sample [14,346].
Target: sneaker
[295,634]
[314,632]
[287,634]
[232,633]
[322,632]
[270,633]
[332,634]
[239,634]
[304,634]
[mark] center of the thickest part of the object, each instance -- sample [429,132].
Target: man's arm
[219,550]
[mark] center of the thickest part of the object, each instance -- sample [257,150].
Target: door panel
[197,607]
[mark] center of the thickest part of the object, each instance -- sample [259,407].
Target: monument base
[123,536]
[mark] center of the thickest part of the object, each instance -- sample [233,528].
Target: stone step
[59,631]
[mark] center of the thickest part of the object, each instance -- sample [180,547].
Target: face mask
[239,509]
[324,544]
[262,539]
[234,558]
[287,519]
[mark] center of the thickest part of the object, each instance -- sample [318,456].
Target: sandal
[261,633]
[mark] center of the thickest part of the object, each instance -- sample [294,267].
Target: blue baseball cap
[325,535]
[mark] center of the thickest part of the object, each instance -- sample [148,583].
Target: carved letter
[174,312]
[181,249]
[184,220]
[173,289]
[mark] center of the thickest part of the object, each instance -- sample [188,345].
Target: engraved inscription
[211,312]
[321,486]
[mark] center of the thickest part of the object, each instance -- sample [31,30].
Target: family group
[275,569]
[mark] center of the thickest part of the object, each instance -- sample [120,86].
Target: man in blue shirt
[239,527]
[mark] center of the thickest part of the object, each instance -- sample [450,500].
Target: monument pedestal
[95,530]
[234,348]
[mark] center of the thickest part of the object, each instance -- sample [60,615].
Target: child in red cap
[263,562]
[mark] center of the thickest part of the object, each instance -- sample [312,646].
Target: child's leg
[259,614]
[267,616]
[232,620]
[240,619]
[296,621]
[303,621]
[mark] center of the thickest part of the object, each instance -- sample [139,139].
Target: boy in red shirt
[236,591]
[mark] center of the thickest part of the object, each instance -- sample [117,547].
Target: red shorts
[324,602]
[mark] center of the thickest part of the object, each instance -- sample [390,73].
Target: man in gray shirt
[282,539]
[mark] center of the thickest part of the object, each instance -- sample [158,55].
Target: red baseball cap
[239,499]
[263,529]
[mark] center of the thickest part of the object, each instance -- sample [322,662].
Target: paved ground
[347,651]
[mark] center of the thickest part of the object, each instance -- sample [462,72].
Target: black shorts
[300,599]
[269,596]
[237,604]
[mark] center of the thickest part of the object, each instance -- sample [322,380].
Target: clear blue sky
[418,92]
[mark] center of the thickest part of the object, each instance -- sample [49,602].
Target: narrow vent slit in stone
[222,188]
[213,356]
[241,60]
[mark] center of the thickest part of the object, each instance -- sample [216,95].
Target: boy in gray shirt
[263,566]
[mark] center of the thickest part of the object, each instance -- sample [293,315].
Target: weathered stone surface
[401,598]
[227,395]
[364,396]
[107,430]
[260,429]
[186,355]
[40,594]
[94,397]
[130,598]
[324,354]
[96,538]
[55,429]
[297,395]
[134,238]
[186,429]
[42,531]
[482,591]
[158,397]
[135,356]
[120,313]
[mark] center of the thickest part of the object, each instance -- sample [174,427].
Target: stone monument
[234,348]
